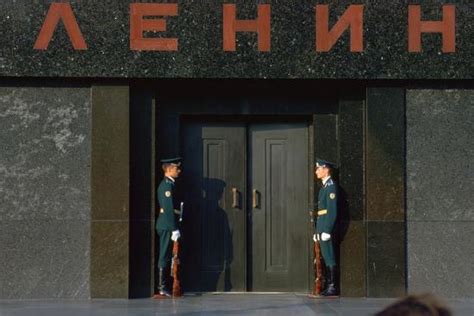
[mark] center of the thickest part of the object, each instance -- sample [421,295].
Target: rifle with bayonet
[318,269]
[175,261]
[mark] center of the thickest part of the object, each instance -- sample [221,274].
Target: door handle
[255,199]
[235,198]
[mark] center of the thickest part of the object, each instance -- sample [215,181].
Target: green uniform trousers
[164,258]
[327,250]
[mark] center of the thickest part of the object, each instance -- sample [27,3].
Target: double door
[245,188]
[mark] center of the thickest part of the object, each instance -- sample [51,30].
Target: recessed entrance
[246,188]
[244,130]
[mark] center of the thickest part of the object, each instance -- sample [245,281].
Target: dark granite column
[110,192]
[385,192]
[353,252]
[142,191]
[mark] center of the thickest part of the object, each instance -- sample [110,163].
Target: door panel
[278,181]
[235,238]
[215,240]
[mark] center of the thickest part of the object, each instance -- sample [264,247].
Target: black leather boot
[162,283]
[331,288]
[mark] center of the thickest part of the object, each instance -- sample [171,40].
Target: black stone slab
[350,174]
[109,271]
[141,258]
[386,259]
[440,256]
[351,158]
[44,258]
[198,26]
[353,256]
[142,163]
[385,157]
[142,192]
[440,152]
[325,137]
[110,192]
[110,153]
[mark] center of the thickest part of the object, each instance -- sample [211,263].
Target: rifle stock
[318,270]
[177,292]
[175,270]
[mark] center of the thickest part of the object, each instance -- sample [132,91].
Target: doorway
[246,191]
[160,112]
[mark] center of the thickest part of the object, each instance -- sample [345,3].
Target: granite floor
[213,304]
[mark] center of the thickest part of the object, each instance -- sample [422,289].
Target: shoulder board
[330,182]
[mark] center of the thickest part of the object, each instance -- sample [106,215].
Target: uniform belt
[322,212]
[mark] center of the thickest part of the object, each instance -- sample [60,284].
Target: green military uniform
[166,222]
[326,224]
[166,226]
[327,214]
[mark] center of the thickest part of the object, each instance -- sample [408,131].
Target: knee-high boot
[331,288]
[162,277]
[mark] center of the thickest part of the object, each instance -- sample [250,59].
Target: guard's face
[321,172]
[174,171]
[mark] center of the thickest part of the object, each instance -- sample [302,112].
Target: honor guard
[166,225]
[326,222]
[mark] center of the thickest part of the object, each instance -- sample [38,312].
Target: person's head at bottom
[416,305]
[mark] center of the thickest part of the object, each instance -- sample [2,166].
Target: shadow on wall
[207,240]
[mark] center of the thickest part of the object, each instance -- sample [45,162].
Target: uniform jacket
[166,218]
[327,208]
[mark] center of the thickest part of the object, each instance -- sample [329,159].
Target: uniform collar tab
[325,180]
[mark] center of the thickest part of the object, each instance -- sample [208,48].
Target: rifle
[175,261]
[318,269]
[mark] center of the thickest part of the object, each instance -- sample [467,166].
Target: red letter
[447,27]
[60,11]
[138,25]
[353,18]
[261,25]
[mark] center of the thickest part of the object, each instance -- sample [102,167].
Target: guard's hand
[325,236]
[316,237]
[175,235]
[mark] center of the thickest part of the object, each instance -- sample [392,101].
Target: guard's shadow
[217,238]
[343,219]
[212,248]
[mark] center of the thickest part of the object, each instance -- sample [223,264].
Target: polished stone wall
[45,192]
[66,224]
[440,177]
[198,26]
[384,191]
[110,165]
[352,232]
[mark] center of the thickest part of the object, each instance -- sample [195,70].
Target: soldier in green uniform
[166,225]
[326,222]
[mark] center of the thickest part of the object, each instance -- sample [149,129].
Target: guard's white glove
[316,237]
[325,236]
[175,235]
